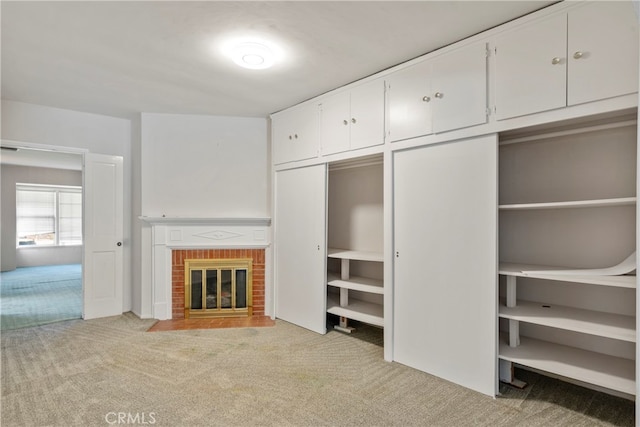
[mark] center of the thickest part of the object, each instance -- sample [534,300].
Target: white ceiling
[120,58]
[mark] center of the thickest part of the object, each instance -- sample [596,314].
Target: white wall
[204,166]
[198,166]
[137,226]
[39,124]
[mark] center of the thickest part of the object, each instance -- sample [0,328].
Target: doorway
[101,253]
[42,243]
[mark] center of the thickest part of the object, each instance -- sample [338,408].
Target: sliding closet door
[445,262]
[300,247]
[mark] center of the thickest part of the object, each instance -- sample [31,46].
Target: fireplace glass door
[217,288]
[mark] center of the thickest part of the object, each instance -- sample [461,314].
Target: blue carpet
[32,296]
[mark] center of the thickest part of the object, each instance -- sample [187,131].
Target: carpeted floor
[96,372]
[32,296]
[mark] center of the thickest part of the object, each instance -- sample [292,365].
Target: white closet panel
[445,263]
[300,247]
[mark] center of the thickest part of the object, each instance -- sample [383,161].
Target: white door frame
[66,150]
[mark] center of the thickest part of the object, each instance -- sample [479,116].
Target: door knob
[119,243]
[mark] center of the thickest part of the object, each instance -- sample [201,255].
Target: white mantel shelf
[265,222]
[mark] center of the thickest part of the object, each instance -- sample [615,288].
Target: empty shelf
[591,322]
[355,255]
[621,201]
[363,311]
[356,283]
[611,372]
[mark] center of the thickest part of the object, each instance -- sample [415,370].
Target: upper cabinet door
[409,102]
[367,115]
[531,68]
[353,118]
[335,118]
[602,51]
[459,88]
[295,134]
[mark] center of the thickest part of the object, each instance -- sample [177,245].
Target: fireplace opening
[218,287]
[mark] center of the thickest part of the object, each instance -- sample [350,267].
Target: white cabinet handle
[426,98]
[556,60]
[578,55]
[353,120]
[439,95]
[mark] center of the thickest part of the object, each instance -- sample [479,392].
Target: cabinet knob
[344,122]
[439,95]
[556,60]
[290,137]
[353,120]
[426,98]
[578,55]
[295,136]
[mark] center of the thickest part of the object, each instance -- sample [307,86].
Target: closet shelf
[363,311]
[591,322]
[357,283]
[355,255]
[611,372]
[512,269]
[596,203]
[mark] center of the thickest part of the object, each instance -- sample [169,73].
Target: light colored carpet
[31,296]
[86,372]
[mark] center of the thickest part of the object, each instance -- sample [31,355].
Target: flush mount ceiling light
[253,55]
[253,52]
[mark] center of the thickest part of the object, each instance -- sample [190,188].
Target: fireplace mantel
[206,221]
[169,233]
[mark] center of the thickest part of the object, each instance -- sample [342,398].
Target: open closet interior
[355,265]
[567,242]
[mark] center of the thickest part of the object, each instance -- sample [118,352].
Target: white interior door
[445,263]
[300,247]
[103,235]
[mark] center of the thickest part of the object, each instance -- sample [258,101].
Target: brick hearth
[177,273]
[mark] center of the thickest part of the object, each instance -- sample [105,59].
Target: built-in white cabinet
[585,54]
[445,250]
[300,247]
[501,234]
[437,95]
[567,252]
[295,134]
[352,119]
[355,262]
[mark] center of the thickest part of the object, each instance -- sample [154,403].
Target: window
[48,215]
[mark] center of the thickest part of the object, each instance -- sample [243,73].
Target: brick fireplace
[175,239]
[178,275]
